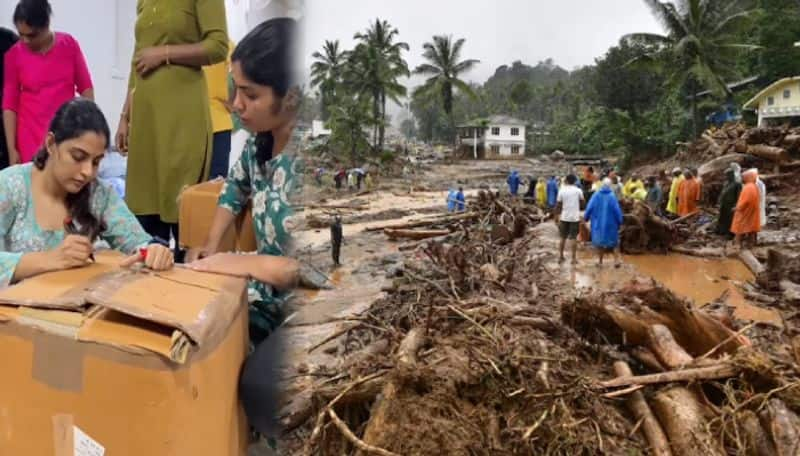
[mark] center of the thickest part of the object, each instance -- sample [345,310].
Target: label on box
[85,445]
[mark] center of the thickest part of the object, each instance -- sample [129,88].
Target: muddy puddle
[698,279]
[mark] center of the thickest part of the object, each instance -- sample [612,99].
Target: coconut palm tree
[444,68]
[700,46]
[327,72]
[375,68]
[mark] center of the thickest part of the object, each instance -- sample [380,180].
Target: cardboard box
[135,363]
[198,204]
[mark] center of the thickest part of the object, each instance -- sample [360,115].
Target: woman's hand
[155,256]
[149,59]
[199,253]
[121,140]
[225,263]
[73,252]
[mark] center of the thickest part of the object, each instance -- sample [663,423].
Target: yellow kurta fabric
[672,203]
[217,84]
[170,125]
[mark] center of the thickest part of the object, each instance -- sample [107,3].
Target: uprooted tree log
[414,234]
[609,317]
[784,427]
[751,262]
[641,412]
[682,417]
[775,154]
[666,349]
[644,231]
[380,423]
[438,221]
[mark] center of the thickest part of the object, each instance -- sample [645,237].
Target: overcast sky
[572,32]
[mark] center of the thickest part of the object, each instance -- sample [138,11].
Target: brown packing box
[138,363]
[198,204]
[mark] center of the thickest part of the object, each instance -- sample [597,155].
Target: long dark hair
[35,13]
[266,56]
[73,119]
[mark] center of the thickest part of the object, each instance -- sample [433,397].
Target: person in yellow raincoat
[541,193]
[633,184]
[672,203]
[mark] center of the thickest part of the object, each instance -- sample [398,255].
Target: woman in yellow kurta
[165,124]
[672,203]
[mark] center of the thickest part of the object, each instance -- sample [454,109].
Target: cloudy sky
[572,32]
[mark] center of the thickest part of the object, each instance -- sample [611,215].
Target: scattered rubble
[478,348]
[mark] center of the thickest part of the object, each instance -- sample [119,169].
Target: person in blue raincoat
[451,200]
[605,216]
[552,192]
[460,200]
[513,182]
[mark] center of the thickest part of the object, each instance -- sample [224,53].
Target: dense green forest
[635,99]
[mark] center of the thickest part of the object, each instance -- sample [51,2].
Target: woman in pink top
[42,71]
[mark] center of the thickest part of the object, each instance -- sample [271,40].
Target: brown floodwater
[702,280]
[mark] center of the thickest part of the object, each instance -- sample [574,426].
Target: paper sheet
[85,445]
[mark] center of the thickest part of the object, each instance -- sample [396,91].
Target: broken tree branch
[698,373]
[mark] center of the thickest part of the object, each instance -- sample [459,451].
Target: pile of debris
[479,349]
[773,150]
[775,144]
[644,231]
[507,218]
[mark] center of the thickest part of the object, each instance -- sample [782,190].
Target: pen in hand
[69,228]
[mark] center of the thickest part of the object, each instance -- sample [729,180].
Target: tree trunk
[382,126]
[693,97]
[663,345]
[775,154]
[682,418]
[784,427]
[380,423]
[641,411]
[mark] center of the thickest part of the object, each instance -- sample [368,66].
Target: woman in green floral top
[267,172]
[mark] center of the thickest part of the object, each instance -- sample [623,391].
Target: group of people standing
[742,203]
[742,206]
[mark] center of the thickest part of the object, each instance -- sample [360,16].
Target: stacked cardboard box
[198,204]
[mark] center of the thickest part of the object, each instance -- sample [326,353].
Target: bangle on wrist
[168,62]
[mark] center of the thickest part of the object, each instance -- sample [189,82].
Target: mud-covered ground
[322,341]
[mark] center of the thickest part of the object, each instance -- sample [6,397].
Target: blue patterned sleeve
[238,186]
[8,260]
[123,231]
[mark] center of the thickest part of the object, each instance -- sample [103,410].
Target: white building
[498,136]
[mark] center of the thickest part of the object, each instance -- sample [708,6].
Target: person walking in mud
[605,216]
[568,206]
[336,239]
